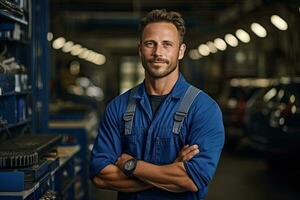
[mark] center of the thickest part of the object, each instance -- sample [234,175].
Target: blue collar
[176,93]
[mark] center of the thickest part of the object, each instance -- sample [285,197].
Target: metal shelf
[65,155]
[24,42]
[9,126]
[12,18]
[16,93]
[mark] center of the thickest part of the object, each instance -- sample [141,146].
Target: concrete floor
[243,175]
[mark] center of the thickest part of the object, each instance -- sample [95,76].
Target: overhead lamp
[100,59]
[84,53]
[194,54]
[259,30]
[279,22]
[203,50]
[91,56]
[58,43]
[242,35]
[212,47]
[49,36]
[76,50]
[74,67]
[220,44]
[231,40]
[68,46]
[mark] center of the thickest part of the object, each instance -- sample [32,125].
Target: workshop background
[62,61]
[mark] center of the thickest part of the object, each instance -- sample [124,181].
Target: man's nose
[158,50]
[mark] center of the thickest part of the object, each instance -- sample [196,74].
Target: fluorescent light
[203,50]
[58,43]
[194,54]
[74,67]
[242,35]
[49,36]
[220,44]
[84,53]
[259,30]
[279,22]
[231,40]
[212,47]
[91,56]
[68,46]
[100,59]
[76,50]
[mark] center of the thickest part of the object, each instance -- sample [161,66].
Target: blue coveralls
[152,139]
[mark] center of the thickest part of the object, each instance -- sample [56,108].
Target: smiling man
[163,138]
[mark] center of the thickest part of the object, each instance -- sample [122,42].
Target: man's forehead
[160,25]
[160,29]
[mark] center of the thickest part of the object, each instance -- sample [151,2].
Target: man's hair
[164,16]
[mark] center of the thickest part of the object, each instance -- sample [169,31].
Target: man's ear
[181,51]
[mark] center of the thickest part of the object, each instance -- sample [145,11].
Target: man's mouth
[158,61]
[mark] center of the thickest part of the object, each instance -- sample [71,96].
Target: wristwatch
[129,167]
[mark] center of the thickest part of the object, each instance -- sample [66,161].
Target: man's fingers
[187,153]
[189,150]
[190,155]
[184,148]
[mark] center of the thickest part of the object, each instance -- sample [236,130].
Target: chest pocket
[168,145]
[129,144]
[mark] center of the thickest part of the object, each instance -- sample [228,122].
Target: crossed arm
[172,177]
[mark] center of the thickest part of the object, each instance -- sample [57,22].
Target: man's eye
[168,45]
[149,44]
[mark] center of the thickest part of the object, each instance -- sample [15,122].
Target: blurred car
[273,118]
[233,103]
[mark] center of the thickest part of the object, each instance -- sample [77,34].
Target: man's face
[160,49]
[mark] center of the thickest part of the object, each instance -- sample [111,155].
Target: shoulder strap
[129,114]
[184,107]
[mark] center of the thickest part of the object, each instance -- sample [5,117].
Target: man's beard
[156,73]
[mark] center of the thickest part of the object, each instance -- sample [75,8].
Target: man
[146,160]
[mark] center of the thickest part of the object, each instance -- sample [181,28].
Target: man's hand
[122,159]
[187,153]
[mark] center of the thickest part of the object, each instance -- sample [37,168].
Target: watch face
[129,165]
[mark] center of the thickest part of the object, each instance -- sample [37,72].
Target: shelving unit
[76,131]
[54,180]
[15,86]
[10,17]
[24,104]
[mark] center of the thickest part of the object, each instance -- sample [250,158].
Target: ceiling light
[91,56]
[100,59]
[242,35]
[279,22]
[259,30]
[67,46]
[49,36]
[231,40]
[194,54]
[203,50]
[58,43]
[76,49]
[220,44]
[212,47]
[84,53]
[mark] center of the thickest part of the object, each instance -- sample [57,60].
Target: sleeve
[107,146]
[207,131]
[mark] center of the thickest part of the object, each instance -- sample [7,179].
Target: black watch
[129,167]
